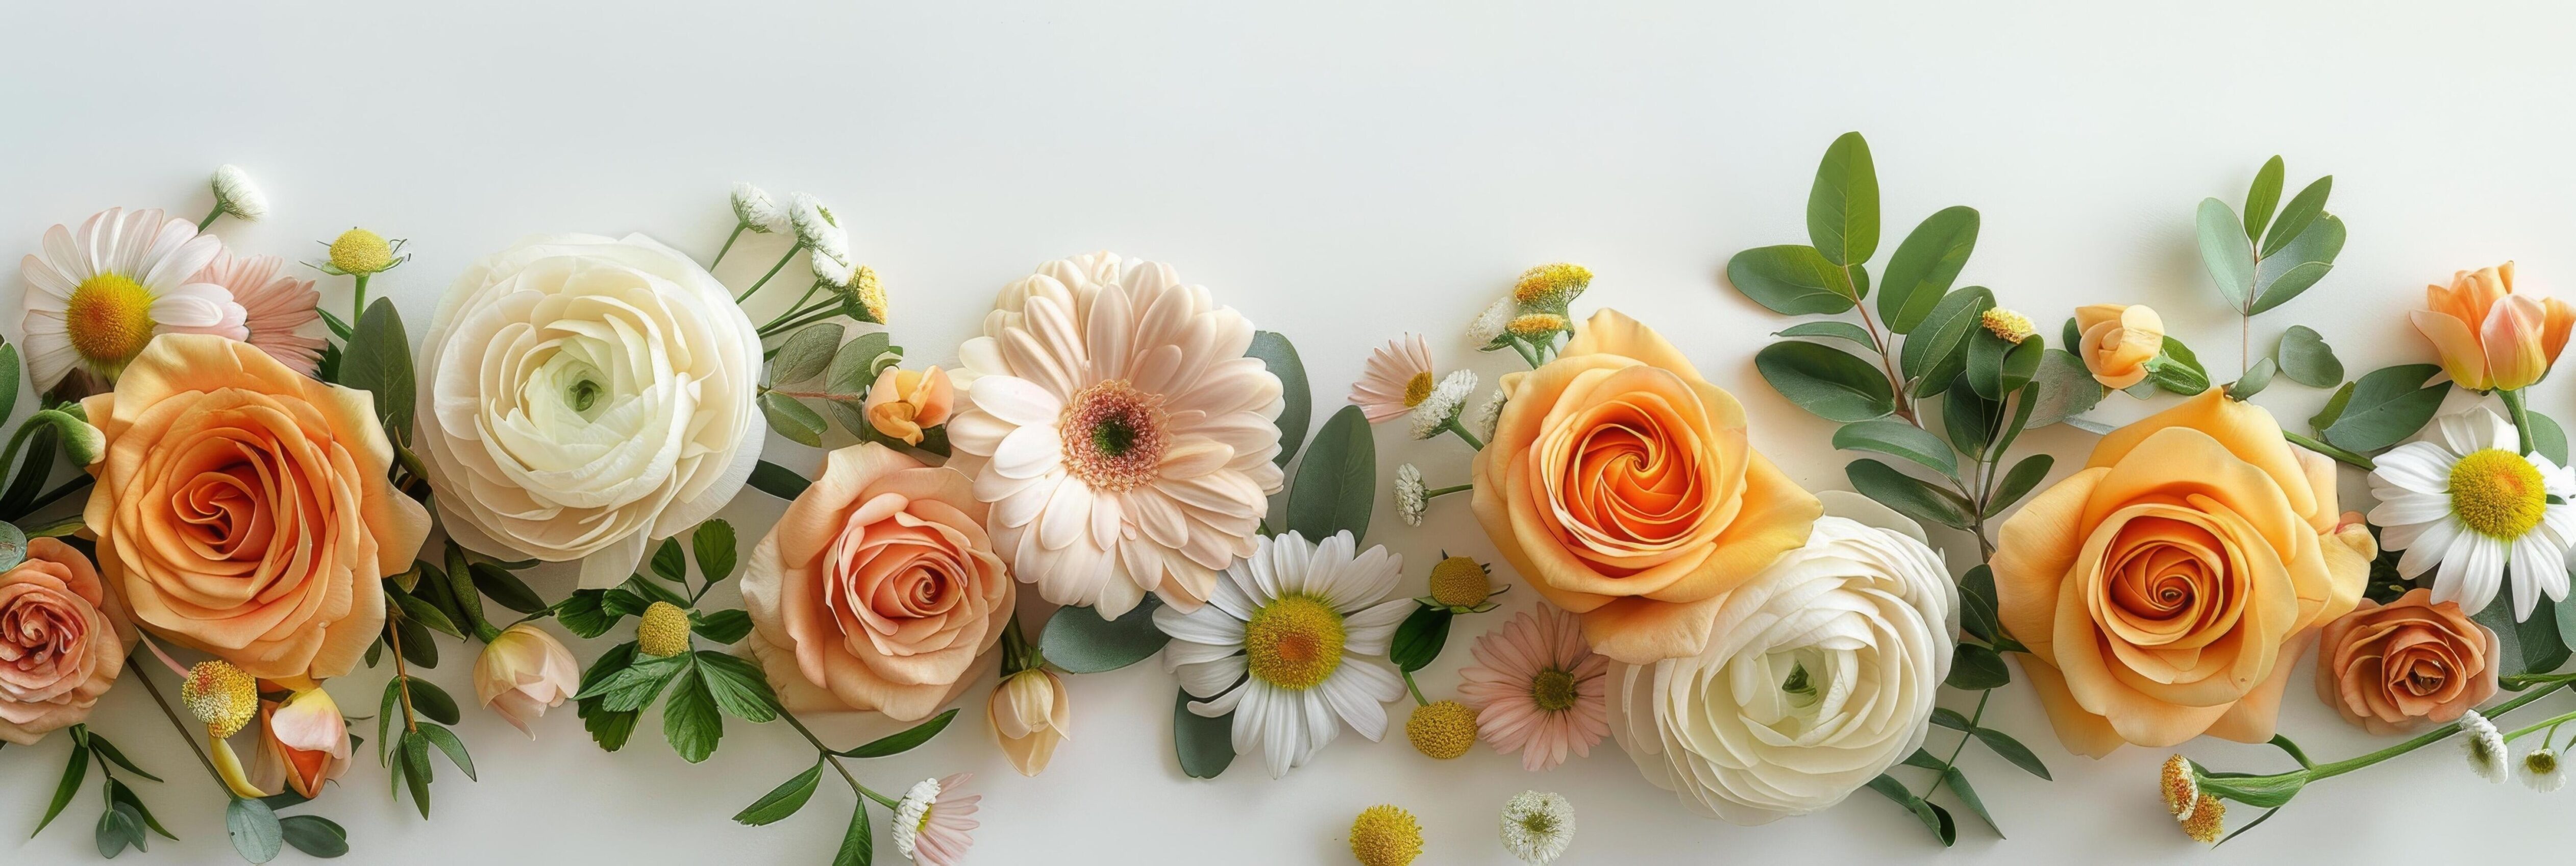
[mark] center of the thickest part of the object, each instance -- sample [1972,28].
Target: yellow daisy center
[1459,582]
[1553,690]
[1114,435]
[1294,643]
[109,319]
[2498,493]
[1417,389]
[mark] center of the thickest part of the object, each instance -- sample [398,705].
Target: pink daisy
[1538,689]
[1398,378]
[934,823]
[279,306]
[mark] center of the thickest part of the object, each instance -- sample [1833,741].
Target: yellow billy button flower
[662,631]
[1537,326]
[2202,816]
[2009,326]
[1294,643]
[1385,836]
[220,695]
[359,251]
[1551,286]
[1461,585]
[1441,729]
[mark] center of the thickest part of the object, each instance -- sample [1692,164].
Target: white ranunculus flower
[581,396]
[1818,676]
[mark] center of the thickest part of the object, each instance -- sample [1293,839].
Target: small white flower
[2542,770]
[2484,747]
[1490,415]
[235,193]
[832,271]
[908,813]
[1490,323]
[1409,499]
[1537,826]
[753,207]
[1436,411]
[816,228]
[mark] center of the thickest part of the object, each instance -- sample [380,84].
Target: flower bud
[304,743]
[1551,286]
[755,210]
[1030,713]
[1460,581]
[524,671]
[235,193]
[2006,325]
[902,402]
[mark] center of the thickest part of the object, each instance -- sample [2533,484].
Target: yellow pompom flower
[220,695]
[662,631]
[1386,836]
[1537,326]
[2009,326]
[359,251]
[1441,729]
[1551,286]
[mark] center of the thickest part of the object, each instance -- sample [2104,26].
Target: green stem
[835,760]
[1409,685]
[358,309]
[1943,777]
[817,313]
[2512,398]
[773,271]
[738,226]
[134,662]
[2551,722]
[1437,492]
[211,215]
[2329,450]
[1454,427]
[2328,771]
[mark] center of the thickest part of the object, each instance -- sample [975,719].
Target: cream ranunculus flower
[581,396]
[1818,675]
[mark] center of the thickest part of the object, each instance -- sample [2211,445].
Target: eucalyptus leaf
[1842,207]
[2225,252]
[793,419]
[253,826]
[1908,495]
[805,354]
[1898,439]
[2065,388]
[1298,401]
[1078,640]
[1790,279]
[1336,485]
[2306,358]
[1204,745]
[1925,265]
[1834,384]
[2256,379]
[2283,275]
[1837,330]
[2547,437]
[2262,198]
[2387,405]
[1937,350]
[2306,208]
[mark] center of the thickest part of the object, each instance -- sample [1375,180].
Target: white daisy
[235,193]
[2466,500]
[1489,415]
[1537,826]
[816,228]
[755,210]
[96,297]
[2542,770]
[1490,323]
[1410,500]
[1435,412]
[2483,746]
[834,272]
[1285,643]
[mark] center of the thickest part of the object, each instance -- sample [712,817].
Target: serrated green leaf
[1925,265]
[713,545]
[1836,330]
[723,626]
[1297,400]
[1842,206]
[907,740]
[2262,198]
[1834,384]
[606,727]
[636,685]
[1898,439]
[1419,639]
[2307,360]
[739,687]
[2225,252]
[783,800]
[1790,279]
[1336,483]
[689,717]
[1079,641]
[805,354]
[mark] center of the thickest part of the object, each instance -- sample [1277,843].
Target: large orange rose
[62,641]
[878,589]
[1622,485]
[2167,590]
[243,510]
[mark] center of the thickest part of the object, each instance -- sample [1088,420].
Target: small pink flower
[1398,378]
[1538,689]
[935,822]
[278,306]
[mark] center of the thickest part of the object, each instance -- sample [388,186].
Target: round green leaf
[1790,279]
[1834,384]
[1298,408]
[1078,640]
[1336,484]
[1842,207]
[2225,252]
[1205,746]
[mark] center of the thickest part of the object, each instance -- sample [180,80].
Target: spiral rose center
[1114,435]
[109,319]
[1417,389]
[2498,493]
[33,634]
[1553,690]
[2421,670]
[1294,643]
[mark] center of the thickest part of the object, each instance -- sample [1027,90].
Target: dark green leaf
[417,646]
[1977,668]
[2178,370]
[468,600]
[2225,252]
[906,741]
[778,481]
[689,717]
[1842,207]
[413,761]
[858,847]
[723,626]
[713,544]
[2387,405]
[581,613]
[1899,439]
[316,836]
[1905,493]
[1950,718]
[8,380]
[506,588]
[1892,789]
[1937,820]
[1969,419]
[1968,795]
[1205,746]
[669,563]
[2024,476]
[1923,759]
[2334,409]
[1936,352]
[253,826]
[1337,482]
[607,727]
[66,787]
[416,610]
[2012,750]
[1924,266]
[1790,279]
[33,470]
[1836,330]
[805,354]
[2283,276]
[1297,399]
[2531,646]
[783,800]
[2022,364]
[651,592]
[634,686]
[2305,208]
[793,419]
[2262,198]
[2306,358]
[432,702]
[378,361]
[2066,388]
[2548,438]
[2256,378]
[108,750]
[738,686]
[1986,363]
[454,748]
[1079,641]
[1419,638]
[1829,382]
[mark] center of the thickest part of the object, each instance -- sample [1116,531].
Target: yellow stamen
[1441,729]
[1553,690]
[2007,325]
[109,320]
[2498,493]
[1386,836]
[1460,582]
[359,251]
[1294,643]
[220,695]
[2207,819]
[1417,389]
[1532,326]
[1551,285]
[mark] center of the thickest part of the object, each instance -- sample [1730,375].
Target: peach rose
[2397,667]
[243,510]
[2167,589]
[1623,486]
[902,402]
[62,641]
[878,589]
[2119,341]
[2488,336]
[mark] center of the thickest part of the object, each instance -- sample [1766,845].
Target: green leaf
[713,545]
[778,481]
[2306,358]
[461,590]
[1937,820]
[98,743]
[1905,493]
[1837,330]
[739,687]
[506,588]
[414,770]
[1977,605]
[1205,746]
[432,702]
[608,728]
[1923,759]
[1925,265]
[73,772]
[8,380]
[783,800]
[1950,718]
[378,361]
[854,367]
[1079,641]
[2566,616]
[417,647]
[1977,668]
[1936,352]
[2225,252]
[2333,410]
[1969,419]
[1337,482]
[2533,645]
[2305,208]
[316,836]
[858,847]
[118,828]
[1986,363]
[2066,388]
[1790,279]
[2023,477]
[2548,438]
[1420,637]
[454,748]
[418,611]
[689,718]
[253,826]
[793,419]
[1834,384]
[669,563]
[2306,260]
[649,592]
[805,354]
[2012,750]
[1842,207]
[2387,405]
[906,741]
[2256,379]
[1968,795]
[1297,408]
[636,685]
[582,614]
[723,626]
[2261,198]
[123,799]
[1899,439]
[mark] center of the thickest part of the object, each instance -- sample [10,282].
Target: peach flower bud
[1031,713]
[523,672]
[62,641]
[902,402]
[304,742]
[2119,341]
[2397,667]
[2488,336]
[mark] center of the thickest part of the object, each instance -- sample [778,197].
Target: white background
[1339,172]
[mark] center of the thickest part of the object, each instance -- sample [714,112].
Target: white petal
[2432,541]
[1369,631]
[1211,677]
[1358,692]
[2422,467]
[1016,400]
[1029,452]
[1207,625]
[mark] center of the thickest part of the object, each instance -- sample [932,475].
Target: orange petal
[2461,356]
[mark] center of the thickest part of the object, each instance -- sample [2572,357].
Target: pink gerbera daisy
[1397,379]
[278,306]
[935,822]
[1538,689]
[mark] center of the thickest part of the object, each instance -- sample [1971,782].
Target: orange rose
[2167,589]
[878,589]
[242,510]
[2490,337]
[2397,667]
[62,641]
[2119,341]
[1622,485]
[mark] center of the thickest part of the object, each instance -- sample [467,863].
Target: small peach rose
[1622,485]
[522,673]
[2167,589]
[1030,713]
[2397,667]
[2490,337]
[243,510]
[2119,341]
[902,402]
[878,589]
[62,641]
[304,742]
